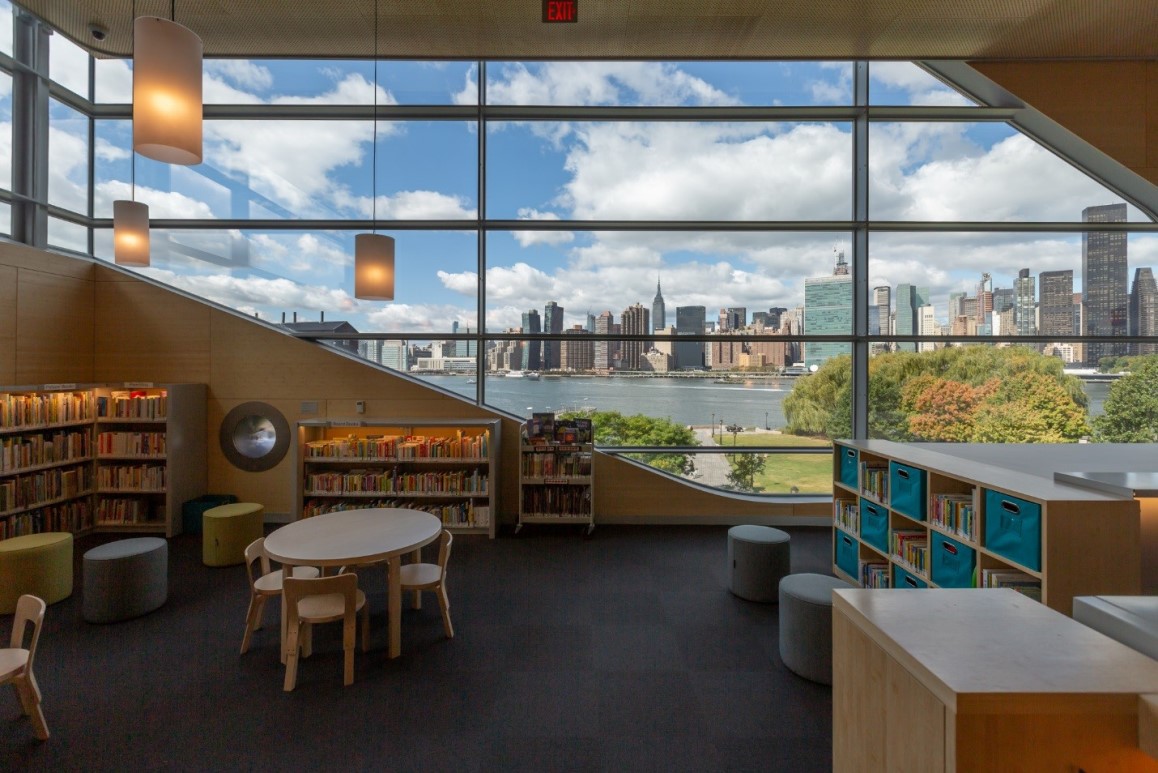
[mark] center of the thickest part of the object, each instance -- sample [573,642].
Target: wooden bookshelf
[103,457]
[921,515]
[556,473]
[445,467]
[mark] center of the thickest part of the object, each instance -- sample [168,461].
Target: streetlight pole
[713,427]
[766,420]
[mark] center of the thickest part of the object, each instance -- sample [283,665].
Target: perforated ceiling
[629,29]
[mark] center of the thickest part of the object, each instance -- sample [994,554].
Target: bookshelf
[556,472]
[445,467]
[80,458]
[922,515]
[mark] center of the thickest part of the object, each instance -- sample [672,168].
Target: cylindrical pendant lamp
[373,267]
[130,233]
[166,91]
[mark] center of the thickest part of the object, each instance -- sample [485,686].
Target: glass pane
[905,83]
[669,171]
[302,170]
[66,235]
[68,64]
[973,172]
[67,157]
[669,84]
[6,21]
[5,218]
[754,473]
[337,82]
[5,125]
[310,273]
[113,81]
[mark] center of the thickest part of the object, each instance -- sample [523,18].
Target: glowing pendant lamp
[374,252]
[130,233]
[166,91]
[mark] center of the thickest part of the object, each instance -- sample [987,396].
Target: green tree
[1131,409]
[745,468]
[612,428]
[809,407]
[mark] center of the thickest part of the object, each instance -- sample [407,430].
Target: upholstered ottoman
[806,624]
[40,564]
[125,579]
[758,558]
[227,530]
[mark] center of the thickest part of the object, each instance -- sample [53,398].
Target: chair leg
[291,660]
[252,620]
[30,702]
[417,604]
[348,651]
[444,605]
[307,640]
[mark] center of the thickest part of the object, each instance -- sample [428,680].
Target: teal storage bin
[903,579]
[845,551]
[907,490]
[192,510]
[874,525]
[952,563]
[848,466]
[1013,528]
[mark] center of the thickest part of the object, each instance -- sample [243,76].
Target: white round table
[357,537]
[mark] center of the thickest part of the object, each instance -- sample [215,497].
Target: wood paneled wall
[1113,105]
[116,327]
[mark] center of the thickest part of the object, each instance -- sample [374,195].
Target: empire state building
[658,312]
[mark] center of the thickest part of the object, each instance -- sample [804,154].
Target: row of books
[874,574]
[846,513]
[17,453]
[545,465]
[956,513]
[562,501]
[465,513]
[19,411]
[874,480]
[912,547]
[401,447]
[141,477]
[68,516]
[131,443]
[45,486]
[545,428]
[133,404]
[1011,578]
[124,510]
[398,482]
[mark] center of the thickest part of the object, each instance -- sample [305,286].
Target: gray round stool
[125,579]
[758,556]
[806,624]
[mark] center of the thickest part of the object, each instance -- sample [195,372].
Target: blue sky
[566,170]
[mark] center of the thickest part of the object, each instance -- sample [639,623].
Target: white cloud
[599,83]
[254,294]
[922,88]
[422,205]
[531,238]
[419,318]
[241,73]
[162,204]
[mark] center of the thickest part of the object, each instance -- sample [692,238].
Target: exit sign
[556,11]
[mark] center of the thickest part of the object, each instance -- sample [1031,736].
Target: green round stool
[227,530]
[40,564]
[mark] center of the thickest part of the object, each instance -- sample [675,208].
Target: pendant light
[131,220]
[166,90]
[374,252]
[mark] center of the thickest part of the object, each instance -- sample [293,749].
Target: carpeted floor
[619,652]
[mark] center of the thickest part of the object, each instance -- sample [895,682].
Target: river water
[698,401]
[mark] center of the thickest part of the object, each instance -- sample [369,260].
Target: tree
[943,410]
[745,468]
[612,428]
[1131,409]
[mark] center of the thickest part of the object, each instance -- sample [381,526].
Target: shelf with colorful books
[556,471]
[442,466]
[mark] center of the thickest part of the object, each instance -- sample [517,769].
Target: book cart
[922,515]
[556,471]
[447,468]
[109,458]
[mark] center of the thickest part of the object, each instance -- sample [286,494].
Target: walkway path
[713,468]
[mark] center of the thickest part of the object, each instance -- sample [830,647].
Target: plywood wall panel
[54,328]
[21,256]
[7,325]
[146,333]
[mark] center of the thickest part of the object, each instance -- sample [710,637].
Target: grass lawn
[809,473]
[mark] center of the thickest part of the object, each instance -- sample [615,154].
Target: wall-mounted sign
[560,11]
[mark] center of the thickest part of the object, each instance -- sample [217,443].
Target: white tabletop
[352,536]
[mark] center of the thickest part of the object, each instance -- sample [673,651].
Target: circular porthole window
[254,436]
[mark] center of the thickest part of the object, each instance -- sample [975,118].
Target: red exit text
[555,11]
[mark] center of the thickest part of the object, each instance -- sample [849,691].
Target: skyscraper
[1057,303]
[1025,303]
[690,321]
[577,353]
[827,311]
[531,324]
[1144,309]
[658,310]
[1104,276]
[635,321]
[909,299]
[552,323]
[604,350]
[737,317]
[879,315]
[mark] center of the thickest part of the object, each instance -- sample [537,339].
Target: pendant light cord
[133,124]
[374,137]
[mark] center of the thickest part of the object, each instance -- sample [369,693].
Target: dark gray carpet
[622,651]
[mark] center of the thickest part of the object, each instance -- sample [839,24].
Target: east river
[695,401]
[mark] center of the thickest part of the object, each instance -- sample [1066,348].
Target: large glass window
[68,157]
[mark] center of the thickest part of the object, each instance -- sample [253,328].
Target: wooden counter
[980,680]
